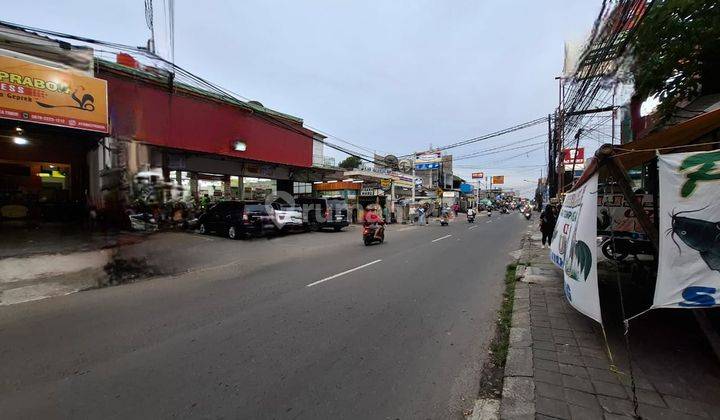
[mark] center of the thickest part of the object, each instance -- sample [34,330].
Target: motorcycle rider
[373,220]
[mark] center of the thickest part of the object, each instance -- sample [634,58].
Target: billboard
[46,95]
[498,179]
[478,175]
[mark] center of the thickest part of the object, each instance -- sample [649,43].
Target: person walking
[548,219]
[421,215]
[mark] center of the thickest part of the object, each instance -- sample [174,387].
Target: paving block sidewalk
[557,366]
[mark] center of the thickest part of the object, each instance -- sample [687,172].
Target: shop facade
[202,147]
[52,119]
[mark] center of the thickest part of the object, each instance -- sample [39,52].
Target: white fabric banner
[689,261]
[574,248]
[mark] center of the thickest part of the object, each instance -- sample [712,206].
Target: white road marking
[489,221]
[441,238]
[404,229]
[343,273]
[472,227]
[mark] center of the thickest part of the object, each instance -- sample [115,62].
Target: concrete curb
[43,276]
[518,395]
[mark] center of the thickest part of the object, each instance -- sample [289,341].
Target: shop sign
[46,95]
[498,179]
[574,156]
[478,175]
[428,157]
[689,260]
[385,183]
[573,248]
[427,166]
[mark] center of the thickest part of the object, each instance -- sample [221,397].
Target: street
[330,329]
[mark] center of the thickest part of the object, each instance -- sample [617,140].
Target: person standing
[548,219]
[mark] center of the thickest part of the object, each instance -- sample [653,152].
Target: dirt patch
[121,270]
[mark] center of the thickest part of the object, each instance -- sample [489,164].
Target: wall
[150,114]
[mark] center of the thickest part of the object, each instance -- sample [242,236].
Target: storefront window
[302,188]
[259,188]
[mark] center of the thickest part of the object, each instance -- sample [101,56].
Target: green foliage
[350,162]
[676,51]
[499,347]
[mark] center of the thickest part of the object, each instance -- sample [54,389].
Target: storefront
[51,120]
[206,147]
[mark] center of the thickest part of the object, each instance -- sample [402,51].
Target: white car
[287,217]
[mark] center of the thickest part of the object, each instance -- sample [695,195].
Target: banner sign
[478,175]
[689,260]
[498,179]
[615,214]
[573,248]
[427,166]
[46,95]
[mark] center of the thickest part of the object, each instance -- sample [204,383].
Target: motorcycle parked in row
[619,248]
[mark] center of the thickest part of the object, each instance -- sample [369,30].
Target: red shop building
[207,144]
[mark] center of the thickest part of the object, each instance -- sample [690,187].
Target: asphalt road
[303,326]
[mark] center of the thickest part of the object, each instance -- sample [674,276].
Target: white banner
[689,261]
[574,248]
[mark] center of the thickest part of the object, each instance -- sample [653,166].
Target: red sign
[571,156]
[478,175]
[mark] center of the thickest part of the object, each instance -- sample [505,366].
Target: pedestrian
[548,218]
[421,215]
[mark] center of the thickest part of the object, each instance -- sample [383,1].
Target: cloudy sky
[393,76]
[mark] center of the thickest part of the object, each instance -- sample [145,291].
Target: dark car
[324,212]
[237,219]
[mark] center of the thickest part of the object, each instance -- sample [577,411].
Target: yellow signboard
[498,179]
[45,95]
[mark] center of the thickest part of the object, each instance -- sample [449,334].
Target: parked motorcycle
[527,214]
[444,221]
[619,248]
[471,217]
[369,233]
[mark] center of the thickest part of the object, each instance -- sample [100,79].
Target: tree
[350,162]
[676,51]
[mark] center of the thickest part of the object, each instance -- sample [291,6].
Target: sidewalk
[557,365]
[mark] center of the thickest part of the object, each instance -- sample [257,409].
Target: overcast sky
[394,76]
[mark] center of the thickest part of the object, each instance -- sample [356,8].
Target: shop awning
[677,135]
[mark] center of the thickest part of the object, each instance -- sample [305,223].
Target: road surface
[304,326]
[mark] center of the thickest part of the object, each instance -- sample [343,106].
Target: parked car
[287,217]
[237,219]
[324,212]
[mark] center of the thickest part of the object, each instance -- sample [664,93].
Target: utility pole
[559,134]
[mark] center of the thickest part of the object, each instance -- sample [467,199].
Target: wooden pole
[616,169]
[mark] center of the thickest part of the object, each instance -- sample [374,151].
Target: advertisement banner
[478,175]
[46,95]
[498,179]
[573,248]
[689,261]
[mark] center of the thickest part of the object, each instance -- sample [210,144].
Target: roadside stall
[670,218]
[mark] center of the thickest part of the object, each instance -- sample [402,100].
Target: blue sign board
[425,166]
[466,188]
